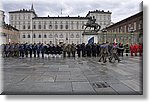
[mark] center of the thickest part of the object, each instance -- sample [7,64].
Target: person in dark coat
[83,49]
[21,48]
[38,50]
[26,49]
[73,49]
[34,49]
[88,50]
[79,50]
[30,50]
[94,49]
[127,49]
[42,49]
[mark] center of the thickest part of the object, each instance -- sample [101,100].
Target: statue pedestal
[86,36]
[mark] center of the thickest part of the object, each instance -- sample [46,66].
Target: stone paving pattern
[72,76]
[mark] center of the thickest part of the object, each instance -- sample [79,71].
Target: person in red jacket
[131,49]
[140,49]
[135,48]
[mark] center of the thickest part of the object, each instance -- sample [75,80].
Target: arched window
[24,36]
[40,36]
[45,36]
[34,36]
[28,35]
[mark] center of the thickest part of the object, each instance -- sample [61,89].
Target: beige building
[55,29]
[8,34]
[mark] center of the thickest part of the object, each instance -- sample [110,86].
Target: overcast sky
[120,8]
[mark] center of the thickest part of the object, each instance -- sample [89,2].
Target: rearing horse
[95,26]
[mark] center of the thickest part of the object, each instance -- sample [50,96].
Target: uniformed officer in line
[127,49]
[104,52]
[114,53]
[88,50]
[53,49]
[21,48]
[94,49]
[42,48]
[34,47]
[83,49]
[79,50]
[98,49]
[26,49]
[16,50]
[64,50]
[30,50]
[59,49]
[73,49]
[68,48]
[38,49]
[101,52]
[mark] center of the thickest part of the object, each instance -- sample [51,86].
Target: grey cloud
[119,8]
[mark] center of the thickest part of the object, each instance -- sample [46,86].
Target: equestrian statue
[91,24]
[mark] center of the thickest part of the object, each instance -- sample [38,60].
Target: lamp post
[104,35]
[132,33]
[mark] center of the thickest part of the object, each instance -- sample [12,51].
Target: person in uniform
[34,49]
[131,50]
[38,50]
[30,50]
[21,47]
[42,50]
[83,49]
[127,49]
[26,49]
[88,50]
[94,49]
[135,48]
[114,54]
[79,50]
[68,49]
[73,49]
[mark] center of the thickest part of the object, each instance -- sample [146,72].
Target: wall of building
[128,30]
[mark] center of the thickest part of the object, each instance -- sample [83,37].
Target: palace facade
[64,29]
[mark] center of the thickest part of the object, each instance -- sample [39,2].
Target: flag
[91,40]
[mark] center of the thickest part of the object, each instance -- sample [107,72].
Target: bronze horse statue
[91,23]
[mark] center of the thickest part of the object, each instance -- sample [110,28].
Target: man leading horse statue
[91,24]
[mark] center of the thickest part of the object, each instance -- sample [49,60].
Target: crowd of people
[104,51]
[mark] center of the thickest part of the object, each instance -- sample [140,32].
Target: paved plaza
[72,76]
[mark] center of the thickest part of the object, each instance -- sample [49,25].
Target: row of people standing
[84,50]
[30,50]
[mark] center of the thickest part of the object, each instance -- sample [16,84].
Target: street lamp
[104,34]
[132,33]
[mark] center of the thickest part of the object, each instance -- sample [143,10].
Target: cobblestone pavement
[72,76]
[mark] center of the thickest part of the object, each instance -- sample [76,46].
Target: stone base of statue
[88,35]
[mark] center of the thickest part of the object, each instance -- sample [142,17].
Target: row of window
[128,28]
[20,17]
[50,36]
